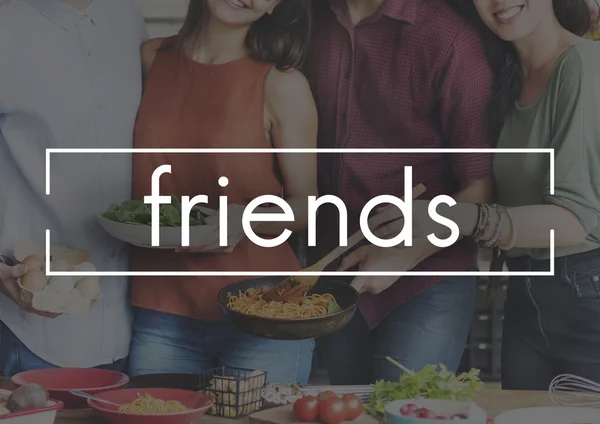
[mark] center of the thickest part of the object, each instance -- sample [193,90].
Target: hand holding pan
[296,287]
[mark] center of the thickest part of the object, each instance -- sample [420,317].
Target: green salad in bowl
[431,382]
[131,222]
[136,212]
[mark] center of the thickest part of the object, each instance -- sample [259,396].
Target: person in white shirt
[70,77]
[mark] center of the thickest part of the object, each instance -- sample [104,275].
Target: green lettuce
[432,382]
[136,212]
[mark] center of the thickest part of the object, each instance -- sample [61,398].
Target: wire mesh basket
[236,392]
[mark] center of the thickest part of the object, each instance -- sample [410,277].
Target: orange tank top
[187,104]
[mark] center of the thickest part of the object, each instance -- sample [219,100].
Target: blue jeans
[431,328]
[166,343]
[552,324]
[15,357]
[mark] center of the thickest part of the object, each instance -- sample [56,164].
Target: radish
[409,410]
[426,413]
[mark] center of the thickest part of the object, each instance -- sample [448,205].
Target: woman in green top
[547,95]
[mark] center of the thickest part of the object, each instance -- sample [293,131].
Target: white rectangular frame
[549,151]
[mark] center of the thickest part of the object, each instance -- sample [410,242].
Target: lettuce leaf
[432,382]
[136,212]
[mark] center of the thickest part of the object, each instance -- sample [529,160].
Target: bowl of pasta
[60,381]
[326,308]
[151,406]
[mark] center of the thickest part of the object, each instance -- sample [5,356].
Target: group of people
[466,74]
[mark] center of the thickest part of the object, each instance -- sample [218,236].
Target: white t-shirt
[69,78]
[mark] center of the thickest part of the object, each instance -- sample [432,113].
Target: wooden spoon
[296,287]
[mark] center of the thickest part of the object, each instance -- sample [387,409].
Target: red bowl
[58,382]
[196,403]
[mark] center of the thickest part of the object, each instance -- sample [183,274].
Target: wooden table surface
[494,402]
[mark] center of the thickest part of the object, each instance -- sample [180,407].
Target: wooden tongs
[298,286]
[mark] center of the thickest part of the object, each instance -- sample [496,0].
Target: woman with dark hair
[547,95]
[227,80]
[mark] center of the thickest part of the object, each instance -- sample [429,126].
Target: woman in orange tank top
[227,80]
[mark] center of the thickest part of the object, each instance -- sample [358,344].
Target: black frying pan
[293,329]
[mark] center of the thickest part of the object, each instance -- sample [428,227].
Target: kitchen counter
[493,401]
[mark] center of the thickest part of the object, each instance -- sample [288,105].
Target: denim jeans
[166,343]
[552,324]
[15,357]
[431,328]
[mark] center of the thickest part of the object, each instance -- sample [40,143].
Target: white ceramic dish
[475,414]
[170,237]
[45,415]
[550,415]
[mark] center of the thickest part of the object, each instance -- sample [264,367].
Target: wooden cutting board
[285,415]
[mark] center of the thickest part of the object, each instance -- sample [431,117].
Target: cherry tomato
[354,407]
[307,409]
[490,421]
[333,410]
[326,395]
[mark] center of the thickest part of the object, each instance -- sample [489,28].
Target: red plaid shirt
[413,76]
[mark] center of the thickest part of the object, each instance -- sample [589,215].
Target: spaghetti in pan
[251,302]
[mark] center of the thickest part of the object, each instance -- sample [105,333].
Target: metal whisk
[571,390]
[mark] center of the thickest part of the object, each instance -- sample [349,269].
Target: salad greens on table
[431,383]
[136,212]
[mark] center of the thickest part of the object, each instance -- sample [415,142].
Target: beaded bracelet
[487,227]
[482,223]
[497,233]
[478,222]
[514,233]
[491,226]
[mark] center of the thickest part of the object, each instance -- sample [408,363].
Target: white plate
[36,416]
[550,415]
[170,237]
[447,408]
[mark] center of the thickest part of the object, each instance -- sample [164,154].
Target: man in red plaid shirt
[400,74]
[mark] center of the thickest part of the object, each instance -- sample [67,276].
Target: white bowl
[550,415]
[475,414]
[170,237]
[45,415]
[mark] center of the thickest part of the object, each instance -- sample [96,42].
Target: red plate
[197,404]
[58,382]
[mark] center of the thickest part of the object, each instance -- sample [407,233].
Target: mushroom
[61,265]
[27,397]
[85,267]
[64,284]
[34,262]
[89,287]
[34,281]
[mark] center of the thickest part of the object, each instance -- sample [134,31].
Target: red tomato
[326,395]
[490,421]
[307,409]
[354,407]
[333,410]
